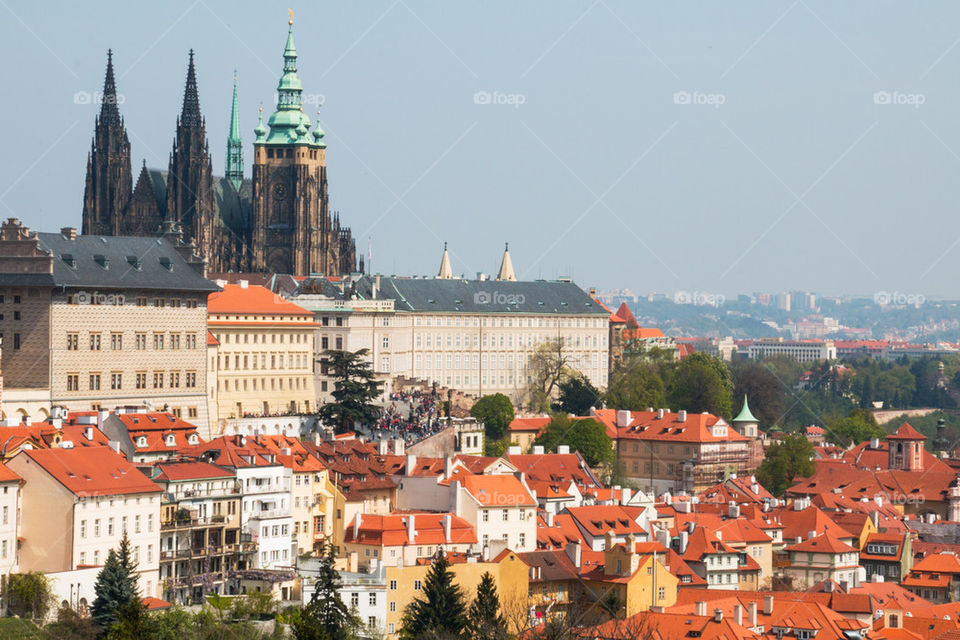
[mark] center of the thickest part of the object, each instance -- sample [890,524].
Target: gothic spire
[109,113]
[234,168]
[190,115]
[506,266]
[446,273]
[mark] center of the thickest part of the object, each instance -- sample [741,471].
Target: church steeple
[234,168]
[109,180]
[190,114]
[446,273]
[289,124]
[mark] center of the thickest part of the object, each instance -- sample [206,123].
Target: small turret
[446,272]
[506,266]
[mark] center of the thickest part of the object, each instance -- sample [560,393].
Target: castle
[278,222]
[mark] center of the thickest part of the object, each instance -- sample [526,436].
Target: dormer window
[166,263]
[171,440]
[101,260]
[69,260]
[142,441]
[193,439]
[134,262]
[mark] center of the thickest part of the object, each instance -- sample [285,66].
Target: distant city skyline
[735,148]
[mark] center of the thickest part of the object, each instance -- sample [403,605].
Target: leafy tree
[548,368]
[767,394]
[486,621]
[495,412]
[115,587]
[701,382]
[496,448]
[70,625]
[132,622]
[635,386]
[441,609]
[28,595]
[786,460]
[858,426]
[326,616]
[354,387]
[577,395]
[587,436]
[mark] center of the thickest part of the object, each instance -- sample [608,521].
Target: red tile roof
[252,300]
[498,491]
[598,520]
[648,425]
[906,432]
[826,543]
[6,475]
[96,471]
[178,470]
[391,530]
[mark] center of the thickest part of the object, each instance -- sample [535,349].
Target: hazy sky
[777,166]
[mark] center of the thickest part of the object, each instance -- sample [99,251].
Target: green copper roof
[260,130]
[289,124]
[234,168]
[745,415]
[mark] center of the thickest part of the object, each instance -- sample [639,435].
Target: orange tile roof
[563,532]
[391,530]
[211,339]
[648,425]
[252,300]
[95,471]
[6,475]
[529,424]
[826,543]
[906,432]
[178,470]
[598,520]
[498,491]
[555,468]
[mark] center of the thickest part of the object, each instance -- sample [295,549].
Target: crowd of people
[411,416]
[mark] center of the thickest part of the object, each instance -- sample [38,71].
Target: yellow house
[632,579]
[523,431]
[510,574]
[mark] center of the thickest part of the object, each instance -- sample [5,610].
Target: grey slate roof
[235,209]
[105,262]
[482,296]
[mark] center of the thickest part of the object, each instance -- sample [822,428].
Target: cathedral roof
[235,208]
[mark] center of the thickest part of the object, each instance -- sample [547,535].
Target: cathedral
[278,222]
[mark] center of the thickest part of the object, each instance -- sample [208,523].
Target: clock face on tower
[279,191]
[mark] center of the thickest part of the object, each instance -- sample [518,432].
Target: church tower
[109,180]
[234,164]
[292,228]
[190,178]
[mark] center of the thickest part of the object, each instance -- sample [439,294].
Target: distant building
[799,350]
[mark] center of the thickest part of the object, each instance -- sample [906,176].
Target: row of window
[277,361]
[161,340]
[476,321]
[98,529]
[160,379]
[136,555]
[240,384]
[258,338]
[503,341]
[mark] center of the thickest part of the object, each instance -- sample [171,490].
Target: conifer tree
[486,622]
[326,617]
[116,585]
[440,611]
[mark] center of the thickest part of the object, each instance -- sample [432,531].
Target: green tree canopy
[326,616]
[486,621]
[495,412]
[701,382]
[767,394]
[577,395]
[587,436]
[858,426]
[354,387]
[635,385]
[28,595]
[792,458]
[441,609]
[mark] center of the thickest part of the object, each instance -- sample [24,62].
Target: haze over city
[758,146]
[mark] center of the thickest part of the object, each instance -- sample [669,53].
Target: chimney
[573,552]
[682,415]
[625,495]
[538,450]
[356,525]
[811,535]
[876,578]
[768,605]
[447,466]
[244,284]
[701,608]
[684,540]
[411,464]
[623,418]
[447,523]
[549,518]
[383,446]
[874,443]
[752,609]
[411,529]
[513,450]
[663,537]
[660,413]
[563,448]
[70,233]
[718,615]
[88,433]
[733,511]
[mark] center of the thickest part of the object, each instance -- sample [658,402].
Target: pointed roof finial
[446,272]
[290,21]
[190,114]
[506,266]
[109,113]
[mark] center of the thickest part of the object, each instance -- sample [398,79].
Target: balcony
[193,523]
[254,488]
[189,494]
[266,514]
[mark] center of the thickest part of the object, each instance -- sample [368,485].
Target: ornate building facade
[278,222]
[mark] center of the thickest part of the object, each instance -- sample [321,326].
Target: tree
[486,621]
[766,393]
[132,622]
[586,436]
[635,386]
[28,595]
[577,396]
[858,426]
[116,586]
[792,458]
[495,412]
[354,387]
[326,616]
[441,609]
[548,368]
[70,625]
[701,382]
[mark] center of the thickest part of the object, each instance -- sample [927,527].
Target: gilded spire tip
[290,21]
